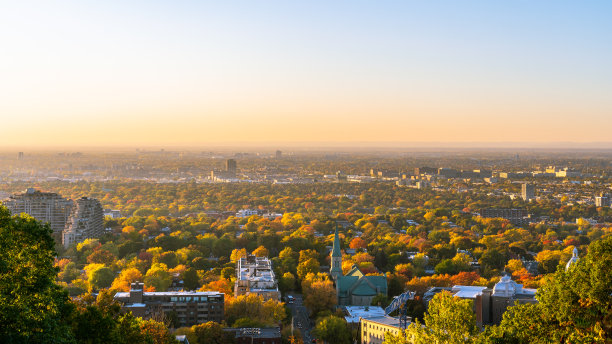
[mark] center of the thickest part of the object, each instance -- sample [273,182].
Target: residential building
[354,288]
[113,213]
[528,192]
[189,307]
[259,335]
[86,221]
[602,201]
[246,212]
[373,330]
[254,275]
[516,216]
[279,154]
[46,207]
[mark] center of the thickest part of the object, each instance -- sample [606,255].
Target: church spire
[336,249]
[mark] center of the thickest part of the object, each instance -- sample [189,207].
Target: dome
[505,287]
[572,260]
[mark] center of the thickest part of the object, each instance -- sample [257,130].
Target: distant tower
[528,192]
[230,167]
[572,260]
[20,156]
[279,154]
[336,257]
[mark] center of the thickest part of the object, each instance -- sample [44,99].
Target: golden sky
[196,73]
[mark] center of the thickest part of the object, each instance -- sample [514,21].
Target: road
[301,320]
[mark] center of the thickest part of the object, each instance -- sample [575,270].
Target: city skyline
[315,74]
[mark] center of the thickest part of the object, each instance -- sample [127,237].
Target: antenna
[399,302]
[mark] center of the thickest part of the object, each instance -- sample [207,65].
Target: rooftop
[356,312]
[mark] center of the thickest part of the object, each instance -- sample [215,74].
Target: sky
[197,73]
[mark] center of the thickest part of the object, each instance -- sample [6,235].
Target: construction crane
[400,302]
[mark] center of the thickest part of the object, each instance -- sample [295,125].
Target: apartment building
[47,207]
[86,221]
[254,275]
[190,307]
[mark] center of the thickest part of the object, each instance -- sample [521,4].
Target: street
[301,320]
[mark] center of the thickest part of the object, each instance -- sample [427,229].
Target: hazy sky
[199,72]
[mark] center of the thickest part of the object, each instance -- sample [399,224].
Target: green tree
[448,320]
[333,329]
[190,279]
[33,309]
[575,305]
[101,277]
[158,277]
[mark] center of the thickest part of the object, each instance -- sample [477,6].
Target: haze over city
[316,73]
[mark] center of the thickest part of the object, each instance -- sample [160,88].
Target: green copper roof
[336,250]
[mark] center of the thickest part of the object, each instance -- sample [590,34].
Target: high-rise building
[46,207]
[279,154]
[602,201]
[20,156]
[528,191]
[85,221]
[230,167]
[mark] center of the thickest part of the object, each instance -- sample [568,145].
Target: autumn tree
[319,292]
[308,266]
[125,278]
[261,252]
[448,320]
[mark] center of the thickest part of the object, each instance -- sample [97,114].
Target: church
[354,288]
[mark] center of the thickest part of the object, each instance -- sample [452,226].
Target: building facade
[86,221]
[189,307]
[46,207]
[373,330]
[254,275]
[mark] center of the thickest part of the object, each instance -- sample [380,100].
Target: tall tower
[528,192]
[336,257]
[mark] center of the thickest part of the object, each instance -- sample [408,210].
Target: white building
[254,275]
[85,222]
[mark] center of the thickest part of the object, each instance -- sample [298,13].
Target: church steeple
[336,257]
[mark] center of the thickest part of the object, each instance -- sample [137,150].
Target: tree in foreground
[333,329]
[448,320]
[33,309]
[575,305]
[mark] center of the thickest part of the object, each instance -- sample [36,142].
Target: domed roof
[506,287]
[572,260]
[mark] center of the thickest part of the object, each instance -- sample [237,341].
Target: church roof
[361,285]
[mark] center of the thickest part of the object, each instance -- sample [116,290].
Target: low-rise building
[373,330]
[254,275]
[188,308]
